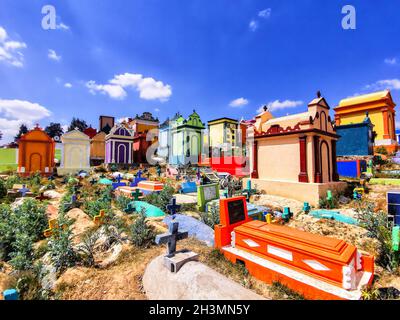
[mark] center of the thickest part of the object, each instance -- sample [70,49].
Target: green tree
[22,256]
[22,130]
[77,123]
[54,130]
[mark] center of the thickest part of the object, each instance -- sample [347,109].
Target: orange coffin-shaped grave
[36,153]
[316,266]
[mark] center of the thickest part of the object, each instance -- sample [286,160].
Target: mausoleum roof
[366,98]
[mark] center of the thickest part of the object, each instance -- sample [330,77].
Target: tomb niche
[75,152]
[119,145]
[36,153]
[295,156]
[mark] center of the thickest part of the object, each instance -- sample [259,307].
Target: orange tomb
[318,267]
[36,153]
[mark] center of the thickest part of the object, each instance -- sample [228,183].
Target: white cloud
[279,105]
[114,91]
[397,124]
[157,110]
[10,50]
[391,84]
[123,119]
[53,55]
[148,88]
[253,25]
[62,26]
[238,103]
[68,85]
[391,61]
[13,113]
[266,13]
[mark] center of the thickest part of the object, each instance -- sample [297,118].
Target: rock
[194,281]
[344,200]
[82,221]
[195,228]
[50,273]
[17,203]
[52,194]
[113,255]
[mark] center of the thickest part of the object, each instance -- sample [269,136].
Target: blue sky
[222,57]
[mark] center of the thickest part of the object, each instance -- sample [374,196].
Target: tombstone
[75,153]
[130,208]
[99,219]
[136,194]
[174,260]
[205,194]
[306,207]
[150,186]
[333,215]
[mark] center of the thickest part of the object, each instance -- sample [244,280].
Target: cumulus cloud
[266,13]
[53,55]
[10,50]
[253,25]
[113,91]
[13,113]
[68,85]
[390,84]
[391,61]
[280,105]
[148,88]
[62,26]
[238,103]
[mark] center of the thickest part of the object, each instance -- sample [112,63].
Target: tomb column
[113,151]
[254,174]
[386,134]
[317,164]
[303,175]
[130,150]
[335,175]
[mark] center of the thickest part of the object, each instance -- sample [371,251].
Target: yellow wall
[216,134]
[375,116]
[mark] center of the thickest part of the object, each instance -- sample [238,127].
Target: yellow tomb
[381,109]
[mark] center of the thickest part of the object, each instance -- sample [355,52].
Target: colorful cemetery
[381,110]
[119,144]
[295,156]
[186,137]
[75,153]
[141,126]
[36,153]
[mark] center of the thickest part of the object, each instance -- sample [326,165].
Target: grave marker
[174,260]
[99,219]
[173,208]
[205,194]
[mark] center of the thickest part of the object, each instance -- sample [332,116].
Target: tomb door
[121,153]
[74,158]
[35,162]
[325,162]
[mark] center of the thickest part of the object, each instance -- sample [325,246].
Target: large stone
[194,281]
[82,221]
[52,194]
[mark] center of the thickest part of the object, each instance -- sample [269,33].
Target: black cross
[173,208]
[171,237]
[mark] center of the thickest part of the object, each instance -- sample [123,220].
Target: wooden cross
[171,237]
[136,194]
[173,207]
[53,226]
[130,208]
[139,174]
[93,181]
[99,219]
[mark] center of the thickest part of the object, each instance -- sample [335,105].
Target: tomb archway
[325,163]
[323,122]
[75,158]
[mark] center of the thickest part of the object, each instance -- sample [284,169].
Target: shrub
[61,251]
[29,284]
[210,218]
[14,179]
[22,256]
[3,189]
[161,199]
[92,208]
[142,234]
[7,234]
[86,249]
[122,202]
[30,218]
[376,225]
